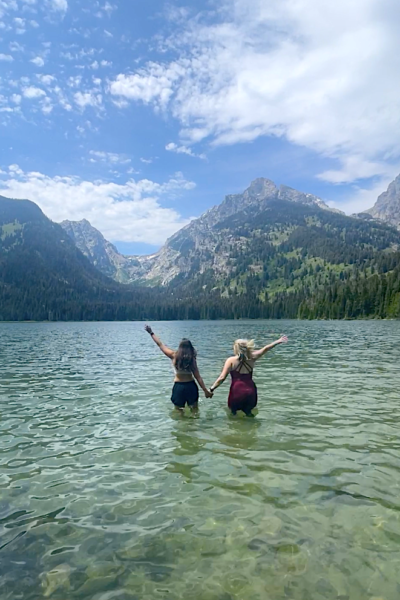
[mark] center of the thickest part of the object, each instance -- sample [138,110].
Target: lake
[107,494]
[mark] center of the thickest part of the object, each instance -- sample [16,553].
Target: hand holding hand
[283,339]
[148,329]
[208,394]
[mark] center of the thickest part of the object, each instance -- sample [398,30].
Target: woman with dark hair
[185,390]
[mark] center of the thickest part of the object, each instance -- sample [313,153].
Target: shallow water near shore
[106,493]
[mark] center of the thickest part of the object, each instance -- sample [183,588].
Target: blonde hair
[244,348]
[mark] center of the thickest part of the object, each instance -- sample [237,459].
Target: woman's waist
[236,376]
[183,378]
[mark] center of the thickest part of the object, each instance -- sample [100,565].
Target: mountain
[248,234]
[44,276]
[387,207]
[197,245]
[100,252]
[266,253]
[161,268]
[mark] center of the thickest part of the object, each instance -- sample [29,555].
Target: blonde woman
[243,391]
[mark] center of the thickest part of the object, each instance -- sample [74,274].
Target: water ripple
[106,493]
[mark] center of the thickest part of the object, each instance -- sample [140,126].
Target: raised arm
[224,374]
[256,354]
[167,351]
[199,379]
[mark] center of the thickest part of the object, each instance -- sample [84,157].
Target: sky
[139,116]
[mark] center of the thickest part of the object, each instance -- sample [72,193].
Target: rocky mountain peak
[260,188]
[387,206]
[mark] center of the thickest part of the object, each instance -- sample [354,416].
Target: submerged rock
[56,579]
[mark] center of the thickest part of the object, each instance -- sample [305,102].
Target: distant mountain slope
[100,252]
[266,240]
[387,207]
[191,246]
[278,258]
[169,262]
[44,276]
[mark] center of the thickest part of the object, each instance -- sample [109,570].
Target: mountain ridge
[100,252]
[387,206]
[268,253]
[162,267]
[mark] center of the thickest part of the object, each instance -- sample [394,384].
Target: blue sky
[139,116]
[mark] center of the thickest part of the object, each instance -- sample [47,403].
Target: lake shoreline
[210,320]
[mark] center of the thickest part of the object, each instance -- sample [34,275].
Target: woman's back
[242,365]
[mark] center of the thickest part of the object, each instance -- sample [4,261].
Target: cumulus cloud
[46,79]
[20,25]
[85,99]
[59,5]
[130,212]
[172,147]
[323,75]
[154,84]
[38,61]
[6,58]
[33,92]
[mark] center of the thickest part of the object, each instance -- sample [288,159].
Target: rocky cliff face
[197,247]
[387,207]
[101,253]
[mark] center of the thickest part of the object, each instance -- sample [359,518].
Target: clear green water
[106,494]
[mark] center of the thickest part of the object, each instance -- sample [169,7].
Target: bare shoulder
[230,361]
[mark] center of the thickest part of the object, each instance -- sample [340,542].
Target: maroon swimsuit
[243,391]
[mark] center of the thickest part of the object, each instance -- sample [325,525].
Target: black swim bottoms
[185,392]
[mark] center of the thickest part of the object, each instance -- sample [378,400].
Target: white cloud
[75,81]
[16,47]
[323,75]
[20,25]
[362,199]
[155,84]
[7,5]
[109,157]
[46,79]
[130,212]
[59,5]
[38,61]
[172,147]
[47,106]
[33,92]
[109,8]
[16,98]
[355,167]
[85,99]
[146,161]
[120,103]
[6,58]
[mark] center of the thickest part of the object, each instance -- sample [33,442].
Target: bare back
[241,365]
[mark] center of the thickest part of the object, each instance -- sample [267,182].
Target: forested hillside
[292,260]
